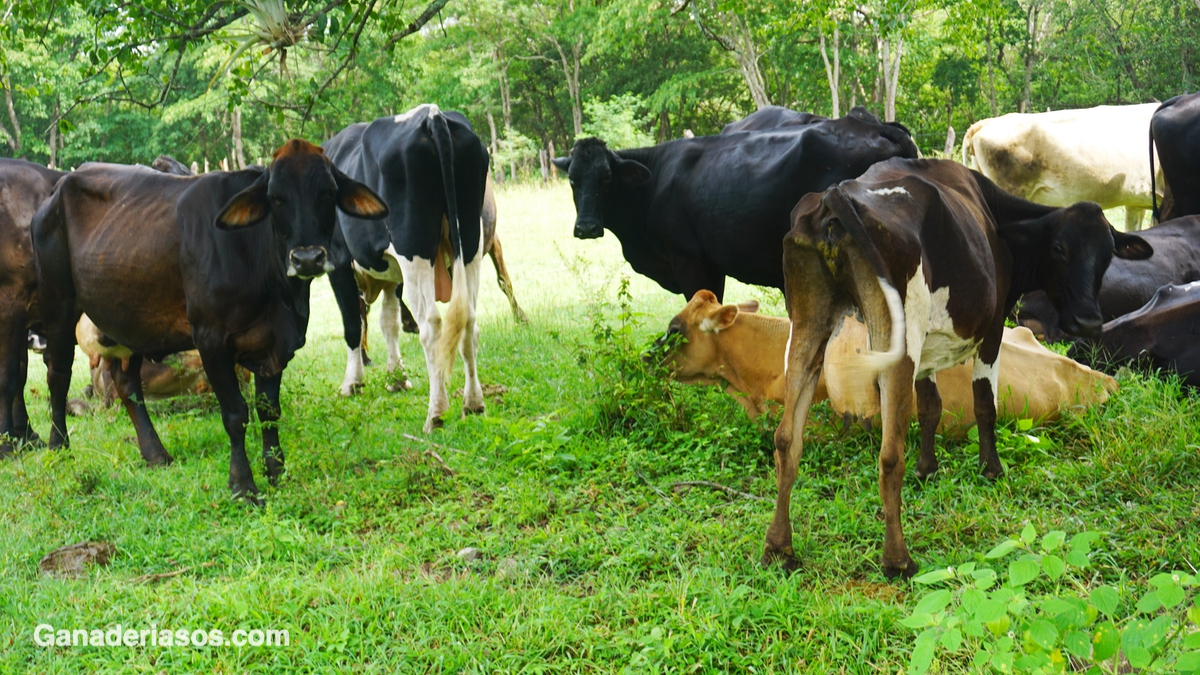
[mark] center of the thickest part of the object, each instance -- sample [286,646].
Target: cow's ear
[748,306]
[720,320]
[563,163]
[1130,246]
[356,199]
[248,207]
[632,173]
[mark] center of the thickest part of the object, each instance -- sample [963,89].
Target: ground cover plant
[588,557]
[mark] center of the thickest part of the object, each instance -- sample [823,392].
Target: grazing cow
[431,169]
[23,187]
[933,256]
[220,262]
[1129,284]
[371,287]
[1175,134]
[734,345]
[1066,156]
[1160,335]
[692,211]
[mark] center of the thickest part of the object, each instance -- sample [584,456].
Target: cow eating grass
[934,256]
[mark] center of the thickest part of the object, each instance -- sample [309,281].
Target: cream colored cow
[734,345]
[1066,156]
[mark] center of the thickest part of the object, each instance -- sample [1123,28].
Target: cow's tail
[454,323]
[870,363]
[967,147]
[1153,187]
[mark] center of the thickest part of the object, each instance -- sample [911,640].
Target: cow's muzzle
[588,230]
[308,262]
[1090,327]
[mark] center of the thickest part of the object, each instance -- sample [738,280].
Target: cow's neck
[1025,264]
[753,350]
[1007,208]
[627,211]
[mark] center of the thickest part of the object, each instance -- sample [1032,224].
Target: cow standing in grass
[431,169]
[934,256]
[163,263]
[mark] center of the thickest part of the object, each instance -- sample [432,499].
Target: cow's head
[692,352]
[594,170]
[1074,246]
[299,193]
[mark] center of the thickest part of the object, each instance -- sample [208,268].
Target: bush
[616,122]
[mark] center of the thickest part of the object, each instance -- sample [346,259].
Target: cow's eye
[571,181]
[1060,250]
[276,201]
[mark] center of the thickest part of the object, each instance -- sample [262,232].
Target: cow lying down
[745,350]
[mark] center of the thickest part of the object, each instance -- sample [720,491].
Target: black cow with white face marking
[692,211]
[431,169]
[163,263]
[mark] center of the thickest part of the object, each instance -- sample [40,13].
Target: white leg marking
[389,322]
[991,373]
[469,348]
[420,292]
[354,371]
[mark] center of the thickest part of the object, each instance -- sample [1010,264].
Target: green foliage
[616,121]
[1041,614]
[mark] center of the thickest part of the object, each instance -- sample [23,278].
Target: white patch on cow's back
[430,110]
[889,191]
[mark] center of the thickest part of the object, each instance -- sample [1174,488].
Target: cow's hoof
[903,570]
[785,557]
[247,494]
[162,458]
[351,389]
[433,423]
[32,440]
[6,450]
[273,477]
[925,474]
[410,327]
[402,384]
[473,410]
[993,473]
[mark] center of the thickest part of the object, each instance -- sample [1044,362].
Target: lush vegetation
[590,558]
[228,80]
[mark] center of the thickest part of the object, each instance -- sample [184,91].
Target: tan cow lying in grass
[745,350]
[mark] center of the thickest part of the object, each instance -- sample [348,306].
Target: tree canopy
[228,81]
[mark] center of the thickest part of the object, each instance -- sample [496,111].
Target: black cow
[692,211]
[1175,130]
[772,117]
[162,263]
[934,256]
[1162,334]
[23,187]
[431,169]
[1129,284]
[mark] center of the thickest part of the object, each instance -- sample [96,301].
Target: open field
[590,561]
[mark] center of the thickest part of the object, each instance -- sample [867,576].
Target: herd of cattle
[897,270]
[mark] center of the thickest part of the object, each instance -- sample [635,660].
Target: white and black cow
[692,211]
[933,255]
[430,168]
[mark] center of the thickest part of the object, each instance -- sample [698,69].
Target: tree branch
[434,7]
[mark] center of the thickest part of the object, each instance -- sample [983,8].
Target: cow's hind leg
[421,295]
[985,385]
[407,323]
[389,321]
[345,292]
[219,366]
[1133,218]
[895,399]
[929,414]
[22,428]
[266,401]
[12,384]
[472,390]
[505,281]
[127,380]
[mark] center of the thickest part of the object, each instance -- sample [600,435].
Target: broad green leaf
[1139,657]
[1079,644]
[1023,571]
[1193,612]
[935,576]
[1083,541]
[1002,549]
[1106,599]
[999,626]
[1053,540]
[973,628]
[1043,633]
[952,639]
[989,610]
[971,597]
[1188,662]
[918,621]
[922,658]
[1149,602]
[1105,641]
[1192,641]
[933,603]
[1028,534]
[1156,633]
[1024,425]
[1056,606]
[1170,595]
[966,568]
[1078,559]
[1053,566]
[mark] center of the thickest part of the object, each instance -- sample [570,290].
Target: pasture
[589,559]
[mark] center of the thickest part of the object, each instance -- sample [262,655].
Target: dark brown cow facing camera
[934,256]
[220,262]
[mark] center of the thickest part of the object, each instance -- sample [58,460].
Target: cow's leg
[222,377]
[389,321]
[22,429]
[895,400]
[985,385]
[13,337]
[469,348]
[127,379]
[364,309]
[266,401]
[929,414]
[420,291]
[1133,218]
[345,292]
[407,323]
[505,282]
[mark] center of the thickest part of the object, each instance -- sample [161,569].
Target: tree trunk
[747,55]
[497,170]
[14,136]
[54,136]
[570,68]
[891,75]
[550,151]
[505,91]
[949,149]
[238,155]
[542,162]
[991,70]
[832,73]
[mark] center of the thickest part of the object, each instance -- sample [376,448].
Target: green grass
[590,561]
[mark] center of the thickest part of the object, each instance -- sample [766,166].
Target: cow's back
[1176,131]
[23,188]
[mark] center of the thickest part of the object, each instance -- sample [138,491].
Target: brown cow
[934,256]
[734,345]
